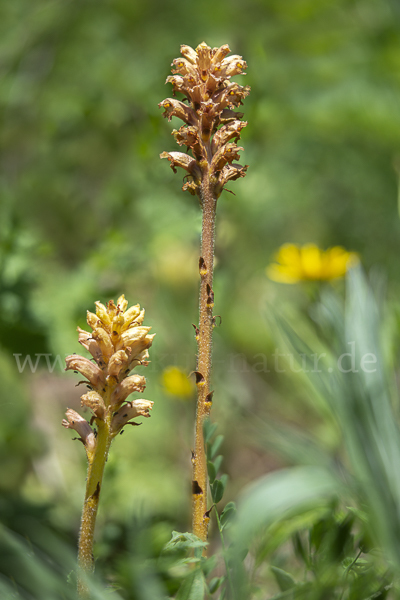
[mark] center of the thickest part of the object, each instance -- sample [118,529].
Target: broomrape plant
[212,128]
[118,343]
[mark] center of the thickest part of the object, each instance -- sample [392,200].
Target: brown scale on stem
[210,132]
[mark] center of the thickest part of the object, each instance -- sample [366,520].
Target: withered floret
[203,76]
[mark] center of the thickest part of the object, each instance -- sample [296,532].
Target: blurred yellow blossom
[176,382]
[310,263]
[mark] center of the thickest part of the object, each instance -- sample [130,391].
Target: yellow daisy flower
[310,263]
[176,383]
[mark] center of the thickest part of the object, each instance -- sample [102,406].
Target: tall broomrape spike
[211,130]
[118,342]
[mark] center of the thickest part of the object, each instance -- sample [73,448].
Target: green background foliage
[88,211]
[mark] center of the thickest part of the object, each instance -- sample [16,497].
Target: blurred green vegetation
[88,211]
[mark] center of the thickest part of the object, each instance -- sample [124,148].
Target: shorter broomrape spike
[118,343]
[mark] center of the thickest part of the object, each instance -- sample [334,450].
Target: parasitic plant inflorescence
[210,132]
[118,343]
[212,127]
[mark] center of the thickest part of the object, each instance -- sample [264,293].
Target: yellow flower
[176,382]
[310,263]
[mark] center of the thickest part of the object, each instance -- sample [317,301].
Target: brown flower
[203,77]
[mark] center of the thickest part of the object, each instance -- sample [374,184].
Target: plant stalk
[200,519]
[89,512]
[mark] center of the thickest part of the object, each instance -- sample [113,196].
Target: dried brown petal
[189,53]
[230,173]
[219,54]
[236,94]
[226,133]
[228,115]
[133,383]
[131,335]
[186,136]
[191,187]
[176,108]
[138,347]
[232,95]
[131,410]
[183,67]
[88,342]
[140,359]
[104,341]
[95,402]
[179,159]
[224,155]
[203,59]
[81,426]
[118,362]
[87,368]
[230,66]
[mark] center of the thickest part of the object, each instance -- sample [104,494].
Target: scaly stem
[204,339]
[89,513]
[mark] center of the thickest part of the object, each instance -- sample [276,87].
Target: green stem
[89,513]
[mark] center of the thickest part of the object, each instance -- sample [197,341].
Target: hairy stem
[204,339]
[89,513]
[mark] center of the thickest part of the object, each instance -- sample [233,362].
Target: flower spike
[211,131]
[118,342]
[203,76]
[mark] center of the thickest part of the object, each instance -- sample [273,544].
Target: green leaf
[212,472]
[224,479]
[227,515]
[217,490]
[193,587]
[208,430]
[283,579]
[183,541]
[215,583]
[216,445]
[217,463]
[299,548]
[272,498]
[209,564]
